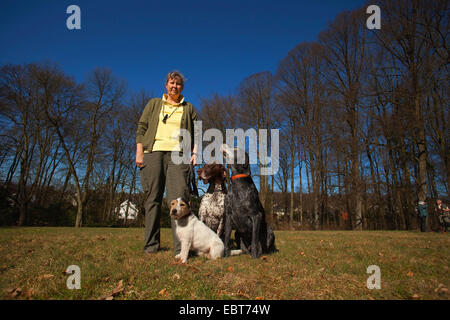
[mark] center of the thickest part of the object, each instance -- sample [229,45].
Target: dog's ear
[185,200]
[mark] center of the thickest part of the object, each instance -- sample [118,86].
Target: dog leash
[192,184]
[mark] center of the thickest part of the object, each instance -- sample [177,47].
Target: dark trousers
[158,173]
[423,224]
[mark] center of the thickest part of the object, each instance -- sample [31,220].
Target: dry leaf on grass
[264,258]
[242,294]
[176,276]
[415,296]
[27,294]
[441,289]
[230,269]
[47,276]
[259,298]
[118,289]
[302,253]
[15,292]
[410,274]
[163,292]
[191,267]
[115,292]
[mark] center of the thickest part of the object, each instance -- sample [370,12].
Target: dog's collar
[242,175]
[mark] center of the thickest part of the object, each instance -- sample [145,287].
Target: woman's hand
[193,160]
[139,155]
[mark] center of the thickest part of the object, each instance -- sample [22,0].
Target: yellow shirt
[166,138]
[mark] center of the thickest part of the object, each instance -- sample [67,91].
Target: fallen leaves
[118,289]
[115,292]
[242,294]
[441,289]
[410,274]
[164,292]
[27,294]
[14,292]
[176,276]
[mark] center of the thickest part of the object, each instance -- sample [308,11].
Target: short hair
[176,74]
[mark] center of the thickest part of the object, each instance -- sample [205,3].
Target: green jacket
[422,208]
[148,123]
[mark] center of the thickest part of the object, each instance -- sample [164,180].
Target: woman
[156,139]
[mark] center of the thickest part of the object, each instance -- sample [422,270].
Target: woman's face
[174,87]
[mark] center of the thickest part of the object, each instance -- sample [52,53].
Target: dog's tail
[236,252]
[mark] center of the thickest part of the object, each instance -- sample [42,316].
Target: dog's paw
[178,256]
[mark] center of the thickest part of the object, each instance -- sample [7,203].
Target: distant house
[278,212]
[127,210]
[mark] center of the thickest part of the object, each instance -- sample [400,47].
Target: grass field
[309,265]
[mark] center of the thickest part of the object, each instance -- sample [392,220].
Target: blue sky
[216,44]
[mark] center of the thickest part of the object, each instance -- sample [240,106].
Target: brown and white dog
[194,235]
[212,205]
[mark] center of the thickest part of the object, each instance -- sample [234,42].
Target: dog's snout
[173,212]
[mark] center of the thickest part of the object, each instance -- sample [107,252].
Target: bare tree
[345,42]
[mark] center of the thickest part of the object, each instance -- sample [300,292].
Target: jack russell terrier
[194,235]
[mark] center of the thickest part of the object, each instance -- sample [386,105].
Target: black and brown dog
[212,205]
[243,209]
